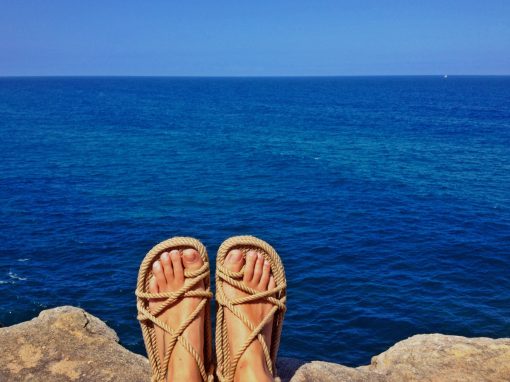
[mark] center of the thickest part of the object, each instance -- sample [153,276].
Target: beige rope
[149,319]
[226,362]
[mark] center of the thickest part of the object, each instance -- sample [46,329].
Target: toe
[157,271]
[257,272]
[175,256]
[272,283]
[234,261]
[153,288]
[266,273]
[251,259]
[167,266]
[153,285]
[191,259]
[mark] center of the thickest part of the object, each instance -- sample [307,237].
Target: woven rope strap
[234,279]
[193,278]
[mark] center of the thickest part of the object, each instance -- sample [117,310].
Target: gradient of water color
[388,198]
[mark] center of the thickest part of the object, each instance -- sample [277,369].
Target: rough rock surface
[68,344]
[425,357]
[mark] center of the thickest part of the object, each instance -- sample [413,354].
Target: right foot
[257,275]
[168,276]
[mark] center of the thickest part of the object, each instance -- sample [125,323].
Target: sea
[387,198]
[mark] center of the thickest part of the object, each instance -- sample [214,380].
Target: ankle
[184,373]
[182,366]
[252,370]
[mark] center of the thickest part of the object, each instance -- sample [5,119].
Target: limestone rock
[426,357]
[67,344]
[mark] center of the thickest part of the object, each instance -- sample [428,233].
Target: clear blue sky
[221,38]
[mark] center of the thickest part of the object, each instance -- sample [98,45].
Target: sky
[254,38]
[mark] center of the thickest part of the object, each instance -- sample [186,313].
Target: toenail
[190,256]
[164,256]
[251,254]
[156,266]
[235,256]
[266,263]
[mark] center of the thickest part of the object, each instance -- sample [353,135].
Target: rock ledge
[69,344]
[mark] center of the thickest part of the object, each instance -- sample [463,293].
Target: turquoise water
[388,198]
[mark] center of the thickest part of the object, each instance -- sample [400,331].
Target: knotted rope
[227,363]
[149,319]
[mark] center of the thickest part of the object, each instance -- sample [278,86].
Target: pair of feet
[168,276]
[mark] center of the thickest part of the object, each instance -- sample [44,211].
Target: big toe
[191,259]
[234,261]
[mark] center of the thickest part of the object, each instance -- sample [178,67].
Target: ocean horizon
[276,76]
[387,197]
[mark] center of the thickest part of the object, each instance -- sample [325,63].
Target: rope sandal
[226,362]
[148,320]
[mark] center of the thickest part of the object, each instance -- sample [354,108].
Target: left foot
[168,276]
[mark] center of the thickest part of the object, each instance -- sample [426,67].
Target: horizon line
[244,76]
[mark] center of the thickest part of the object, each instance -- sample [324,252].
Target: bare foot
[257,275]
[168,276]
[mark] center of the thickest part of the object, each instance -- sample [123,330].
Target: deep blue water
[388,198]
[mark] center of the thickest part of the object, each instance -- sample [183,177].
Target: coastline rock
[68,344]
[424,357]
